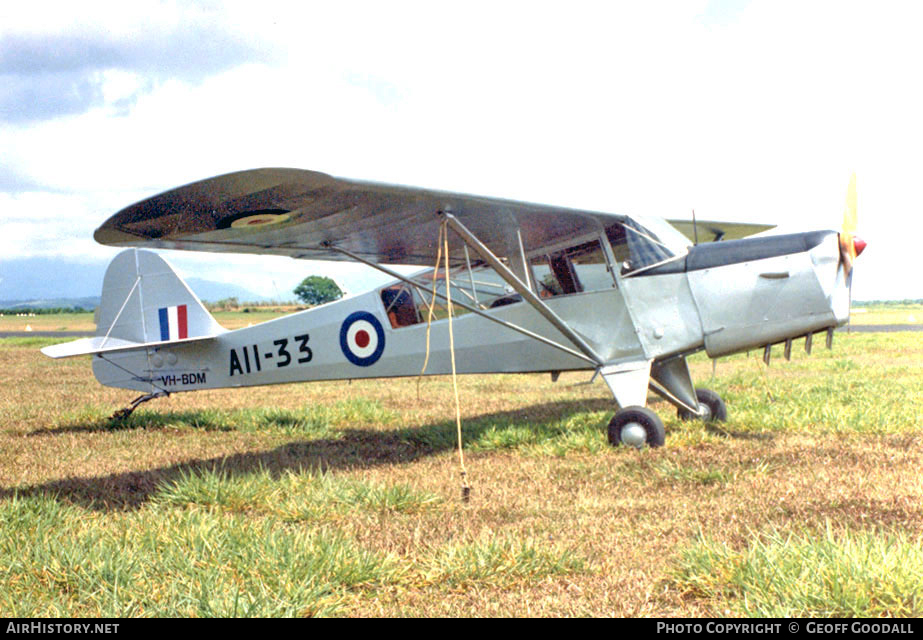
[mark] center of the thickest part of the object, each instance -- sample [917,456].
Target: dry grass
[559,524]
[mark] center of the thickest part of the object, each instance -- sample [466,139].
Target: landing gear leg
[121,414]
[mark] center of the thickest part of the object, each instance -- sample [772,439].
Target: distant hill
[89,302]
[27,279]
[54,282]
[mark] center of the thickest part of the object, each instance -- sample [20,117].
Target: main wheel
[711,403]
[636,427]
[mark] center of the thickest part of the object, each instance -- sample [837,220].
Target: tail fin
[144,300]
[143,303]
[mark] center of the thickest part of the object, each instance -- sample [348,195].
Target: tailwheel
[710,404]
[636,427]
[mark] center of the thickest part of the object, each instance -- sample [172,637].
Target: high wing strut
[521,288]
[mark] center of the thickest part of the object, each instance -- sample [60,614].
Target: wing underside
[304,213]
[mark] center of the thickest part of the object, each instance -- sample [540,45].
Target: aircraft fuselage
[721,297]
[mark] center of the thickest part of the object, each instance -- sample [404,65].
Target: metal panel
[740,309]
[628,382]
[602,318]
[665,313]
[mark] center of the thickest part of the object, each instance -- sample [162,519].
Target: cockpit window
[582,267]
[407,304]
[401,305]
[635,247]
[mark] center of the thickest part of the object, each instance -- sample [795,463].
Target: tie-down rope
[443,249]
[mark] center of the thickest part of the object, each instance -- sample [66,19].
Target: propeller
[851,245]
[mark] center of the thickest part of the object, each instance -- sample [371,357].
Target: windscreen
[638,247]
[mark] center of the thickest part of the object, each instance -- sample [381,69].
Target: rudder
[143,300]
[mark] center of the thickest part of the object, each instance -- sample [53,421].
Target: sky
[743,111]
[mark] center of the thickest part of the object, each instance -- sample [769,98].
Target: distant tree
[318,290]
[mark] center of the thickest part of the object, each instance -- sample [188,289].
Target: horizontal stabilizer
[711,231]
[101,344]
[143,304]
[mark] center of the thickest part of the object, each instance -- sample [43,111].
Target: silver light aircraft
[533,288]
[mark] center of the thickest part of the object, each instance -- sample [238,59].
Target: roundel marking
[259,220]
[362,338]
[254,218]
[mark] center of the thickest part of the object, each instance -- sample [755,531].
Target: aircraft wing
[710,231]
[301,213]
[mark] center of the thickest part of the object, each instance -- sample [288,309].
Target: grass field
[345,499]
[888,314]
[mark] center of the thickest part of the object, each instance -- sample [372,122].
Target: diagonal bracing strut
[521,288]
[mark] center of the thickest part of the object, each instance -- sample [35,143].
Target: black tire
[717,411]
[650,421]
